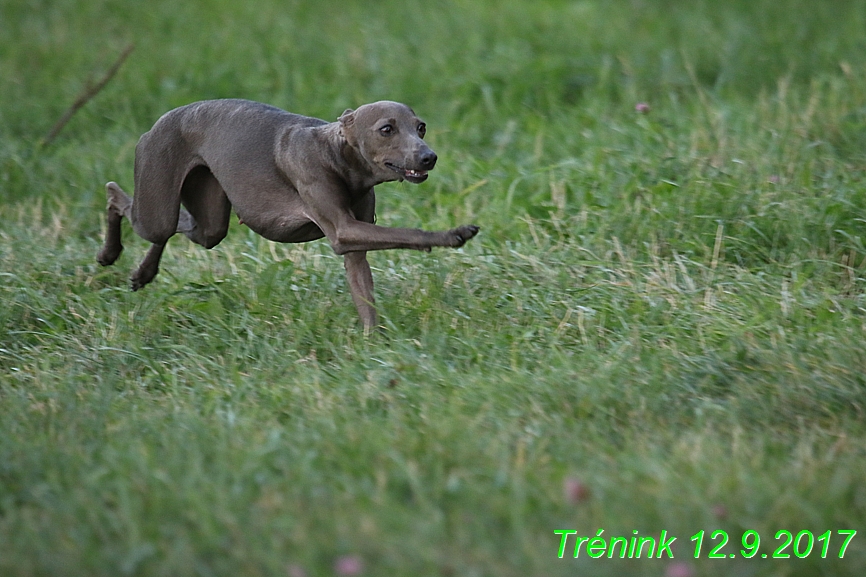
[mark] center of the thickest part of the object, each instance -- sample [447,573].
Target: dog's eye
[422,130]
[386,130]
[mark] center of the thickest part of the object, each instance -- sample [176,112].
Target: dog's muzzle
[409,174]
[427,160]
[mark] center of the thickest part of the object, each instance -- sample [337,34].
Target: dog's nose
[428,159]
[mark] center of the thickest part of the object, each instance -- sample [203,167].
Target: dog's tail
[118,200]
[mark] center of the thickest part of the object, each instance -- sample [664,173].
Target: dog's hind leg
[148,267]
[119,205]
[207,221]
[155,215]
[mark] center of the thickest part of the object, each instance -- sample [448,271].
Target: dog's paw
[135,283]
[108,254]
[463,233]
[142,276]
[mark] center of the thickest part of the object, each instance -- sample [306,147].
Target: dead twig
[89,92]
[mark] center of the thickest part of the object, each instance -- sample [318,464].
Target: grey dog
[290,178]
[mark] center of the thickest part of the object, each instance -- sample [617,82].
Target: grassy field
[660,327]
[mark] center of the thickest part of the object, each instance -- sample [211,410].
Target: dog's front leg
[354,235]
[330,207]
[361,284]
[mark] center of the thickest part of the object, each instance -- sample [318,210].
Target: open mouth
[409,174]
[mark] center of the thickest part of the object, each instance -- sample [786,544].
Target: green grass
[669,307]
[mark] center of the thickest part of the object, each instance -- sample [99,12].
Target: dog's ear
[347,125]
[347,118]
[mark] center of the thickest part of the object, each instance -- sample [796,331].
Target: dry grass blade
[89,92]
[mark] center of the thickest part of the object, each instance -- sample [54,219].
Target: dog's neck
[363,174]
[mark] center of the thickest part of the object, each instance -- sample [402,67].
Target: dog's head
[390,138]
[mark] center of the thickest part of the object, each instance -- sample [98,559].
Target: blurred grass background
[666,308]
